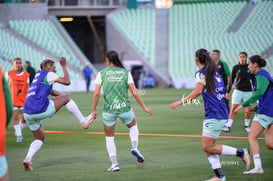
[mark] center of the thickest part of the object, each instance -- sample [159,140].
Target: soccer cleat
[139,157]
[217,179]
[113,168]
[254,171]
[19,139]
[27,165]
[89,120]
[226,129]
[247,129]
[246,158]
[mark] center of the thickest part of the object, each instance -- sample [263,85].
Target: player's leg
[16,125]
[109,130]
[34,147]
[34,122]
[255,130]
[229,123]
[128,118]
[269,137]
[246,96]
[72,107]
[22,121]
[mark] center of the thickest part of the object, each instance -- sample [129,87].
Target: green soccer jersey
[115,83]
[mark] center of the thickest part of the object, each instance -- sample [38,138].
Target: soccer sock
[134,136]
[111,149]
[73,108]
[33,148]
[247,121]
[22,125]
[257,161]
[228,150]
[229,122]
[18,130]
[216,166]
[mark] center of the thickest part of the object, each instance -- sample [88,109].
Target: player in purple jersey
[211,85]
[39,107]
[263,120]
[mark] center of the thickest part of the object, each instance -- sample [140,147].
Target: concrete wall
[116,41]
[20,11]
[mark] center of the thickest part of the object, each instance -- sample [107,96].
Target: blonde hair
[46,63]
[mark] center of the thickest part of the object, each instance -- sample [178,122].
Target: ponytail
[113,58]
[209,68]
[259,60]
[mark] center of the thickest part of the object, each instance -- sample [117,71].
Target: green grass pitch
[81,157]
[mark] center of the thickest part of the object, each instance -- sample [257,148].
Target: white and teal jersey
[115,83]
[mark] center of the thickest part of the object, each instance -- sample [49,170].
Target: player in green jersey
[115,81]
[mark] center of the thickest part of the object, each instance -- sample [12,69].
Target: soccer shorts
[34,120]
[212,127]
[239,96]
[264,120]
[17,107]
[3,166]
[110,119]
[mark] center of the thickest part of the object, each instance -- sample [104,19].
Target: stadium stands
[138,26]
[44,34]
[192,26]
[11,47]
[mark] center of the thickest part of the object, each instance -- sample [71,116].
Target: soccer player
[6,114]
[39,107]
[115,81]
[210,84]
[222,69]
[263,120]
[18,82]
[243,89]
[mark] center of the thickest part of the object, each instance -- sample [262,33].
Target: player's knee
[269,144]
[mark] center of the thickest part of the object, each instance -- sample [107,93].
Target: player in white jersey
[115,81]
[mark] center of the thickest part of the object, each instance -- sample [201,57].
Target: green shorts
[3,166]
[264,120]
[240,96]
[110,119]
[34,120]
[212,127]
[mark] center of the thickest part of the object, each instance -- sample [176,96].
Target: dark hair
[217,51]
[259,60]
[45,63]
[209,68]
[113,58]
[243,53]
[27,62]
[17,58]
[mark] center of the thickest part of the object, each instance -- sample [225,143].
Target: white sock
[18,130]
[257,161]
[214,161]
[111,149]
[73,108]
[134,136]
[22,125]
[229,123]
[33,148]
[228,150]
[247,121]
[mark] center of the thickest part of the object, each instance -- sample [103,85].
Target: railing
[65,3]
[103,3]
